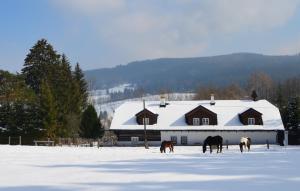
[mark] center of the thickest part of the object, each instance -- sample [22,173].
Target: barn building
[190,122]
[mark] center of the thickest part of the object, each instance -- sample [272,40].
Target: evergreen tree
[72,125]
[19,111]
[82,85]
[48,110]
[90,126]
[254,95]
[38,62]
[293,114]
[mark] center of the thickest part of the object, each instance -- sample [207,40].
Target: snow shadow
[254,170]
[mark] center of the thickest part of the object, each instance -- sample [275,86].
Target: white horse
[246,142]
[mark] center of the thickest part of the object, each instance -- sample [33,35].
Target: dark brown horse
[216,140]
[246,142]
[165,144]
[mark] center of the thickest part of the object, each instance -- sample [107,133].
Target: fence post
[227,144]
[268,146]
[20,140]
[286,138]
[8,140]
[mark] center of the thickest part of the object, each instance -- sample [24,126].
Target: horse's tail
[249,140]
[162,146]
[249,143]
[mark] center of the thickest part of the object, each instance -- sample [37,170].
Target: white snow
[135,169]
[101,103]
[116,89]
[172,117]
[121,88]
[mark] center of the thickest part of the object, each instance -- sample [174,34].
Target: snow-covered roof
[172,117]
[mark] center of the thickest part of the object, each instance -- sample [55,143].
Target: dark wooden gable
[201,112]
[251,113]
[145,113]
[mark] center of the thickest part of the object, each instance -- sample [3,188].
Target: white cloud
[90,7]
[148,29]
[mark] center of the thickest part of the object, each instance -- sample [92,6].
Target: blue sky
[106,33]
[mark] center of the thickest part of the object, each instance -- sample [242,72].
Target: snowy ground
[136,169]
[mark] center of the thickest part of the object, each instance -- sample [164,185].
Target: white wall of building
[139,143]
[233,137]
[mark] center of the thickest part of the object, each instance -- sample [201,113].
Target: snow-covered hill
[109,107]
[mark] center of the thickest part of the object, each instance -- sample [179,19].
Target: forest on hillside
[183,74]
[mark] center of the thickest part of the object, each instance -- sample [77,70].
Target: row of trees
[48,99]
[284,94]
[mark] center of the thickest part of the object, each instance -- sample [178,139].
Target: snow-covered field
[137,169]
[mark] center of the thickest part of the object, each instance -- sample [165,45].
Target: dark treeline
[284,94]
[47,99]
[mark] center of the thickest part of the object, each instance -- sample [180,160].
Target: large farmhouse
[190,122]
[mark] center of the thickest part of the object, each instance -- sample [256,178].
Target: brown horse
[165,144]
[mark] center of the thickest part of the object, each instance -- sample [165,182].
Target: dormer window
[201,116]
[205,121]
[196,121]
[251,117]
[251,121]
[146,117]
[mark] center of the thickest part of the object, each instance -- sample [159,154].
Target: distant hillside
[183,74]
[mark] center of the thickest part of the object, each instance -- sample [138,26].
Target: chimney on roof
[212,99]
[162,101]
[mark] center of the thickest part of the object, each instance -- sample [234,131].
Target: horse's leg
[221,147]
[217,148]
[210,148]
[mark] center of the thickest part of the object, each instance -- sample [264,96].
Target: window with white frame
[184,140]
[205,121]
[134,140]
[251,121]
[146,121]
[196,121]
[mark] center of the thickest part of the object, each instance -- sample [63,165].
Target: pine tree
[82,85]
[48,109]
[254,95]
[65,95]
[90,126]
[293,114]
[38,62]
